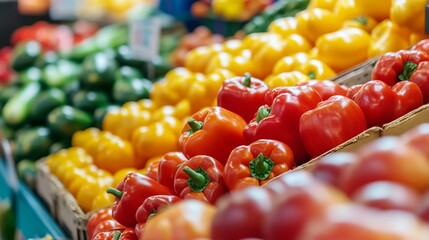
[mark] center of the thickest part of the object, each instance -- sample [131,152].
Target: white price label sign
[144,38]
[63,9]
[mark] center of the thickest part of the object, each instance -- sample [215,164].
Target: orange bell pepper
[174,223]
[214,131]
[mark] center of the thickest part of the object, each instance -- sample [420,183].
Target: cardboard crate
[47,186]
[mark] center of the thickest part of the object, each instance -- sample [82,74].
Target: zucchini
[98,71]
[88,101]
[61,73]
[66,120]
[25,54]
[31,74]
[33,144]
[17,109]
[8,92]
[44,103]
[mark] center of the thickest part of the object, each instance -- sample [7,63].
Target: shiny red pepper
[108,235]
[152,170]
[257,163]
[214,132]
[281,120]
[97,218]
[422,45]
[201,177]
[331,123]
[128,234]
[242,95]
[168,166]
[382,104]
[326,88]
[107,226]
[421,78]
[130,194]
[397,66]
[150,207]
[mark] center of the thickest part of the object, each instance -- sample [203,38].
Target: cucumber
[7,93]
[61,73]
[33,144]
[17,109]
[44,103]
[25,54]
[31,74]
[66,120]
[88,101]
[98,71]
[127,72]
[134,89]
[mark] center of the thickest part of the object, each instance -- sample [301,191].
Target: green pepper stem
[407,70]
[247,80]
[261,167]
[362,20]
[312,75]
[152,214]
[117,235]
[262,113]
[115,192]
[195,125]
[198,179]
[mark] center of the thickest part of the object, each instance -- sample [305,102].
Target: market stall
[215,119]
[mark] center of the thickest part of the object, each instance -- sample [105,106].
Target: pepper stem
[362,20]
[261,167]
[117,235]
[247,80]
[407,70]
[115,192]
[262,113]
[152,214]
[195,125]
[198,179]
[312,75]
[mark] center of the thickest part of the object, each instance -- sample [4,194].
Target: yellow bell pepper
[409,14]
[344,48]
[120,175]
[302,62]
[417,37]
[378,10]
[283,26]
[286,79]
[221,60]
[109,151]
[153,140]
[388,37]
[364,22]
[77,183]
[266,58]
[255,41]
[230,10]
[325,4]
[214,81]
[346,10]
[124,120]
[76,156]
[197,59]
[173,87]
[233,47]
[88,192]
[312,23]
[102,199]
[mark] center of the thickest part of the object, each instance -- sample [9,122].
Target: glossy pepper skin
[98,217]
[242,95]
[326,88]
[214,131]
[257,163]
[108,235]
[381,103]
[341,119]
[281,120]
[152,206]
[388,37]
[105,227]
[130,194]
[422,45]
[168,166]
[421,78]
[128,234]
[201,177]
[397,66]
[409,14]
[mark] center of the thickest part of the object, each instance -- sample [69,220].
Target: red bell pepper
[281,120]
[397,66]
[127,234]
[257,163]
[97,218]
[168,166]
[242,95]
[331,123]
[326,88]
[107,226]
[382,104]
[421,78]
[422,45]
[150,207]
[214,132]
[152,170]
[108,235]
[201,177]
[130,194]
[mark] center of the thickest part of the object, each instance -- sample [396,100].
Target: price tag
[63,9]
[144,38]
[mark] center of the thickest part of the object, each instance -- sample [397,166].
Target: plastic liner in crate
[180,9]
[221,26]
[61,203]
